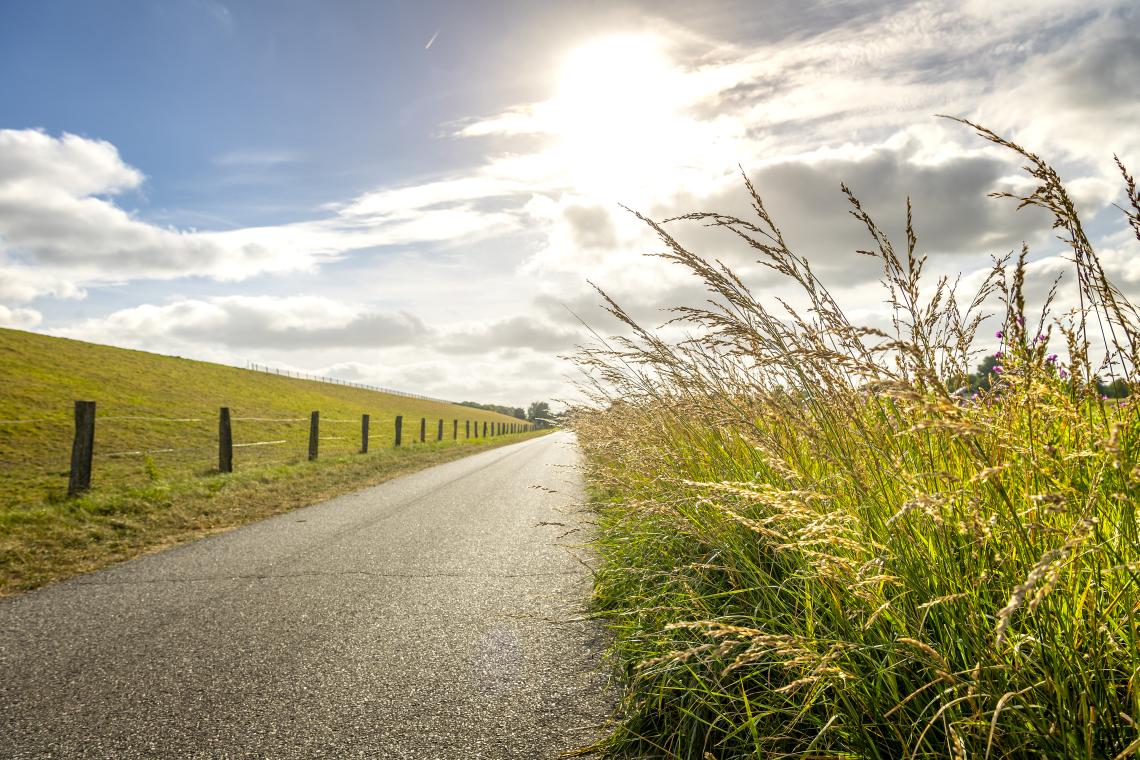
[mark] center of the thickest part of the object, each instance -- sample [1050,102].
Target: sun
[614,76]
[615,110]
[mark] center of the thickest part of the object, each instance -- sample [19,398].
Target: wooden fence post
[455,430]
[399,429]
[364,434]
[484,428]
[314,434]
[439,433]
[423,429]
[225,441]
[466,429]
[82,448]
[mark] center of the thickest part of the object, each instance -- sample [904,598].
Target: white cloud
[20,284]
[21,319]
[297,323]
[512,378]
[305,323]
[255,157]
[60,230]
[504,360]
[71,165]
[1079,98]
[399,201]
[507,334]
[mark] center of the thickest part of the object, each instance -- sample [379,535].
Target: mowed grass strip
[143,501]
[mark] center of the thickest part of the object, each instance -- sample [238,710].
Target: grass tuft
[815,544]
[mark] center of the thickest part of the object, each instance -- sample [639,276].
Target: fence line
[83,454]
[142,452]
[116,454]
[61,421]
[271,419]
[151,419]
[336,381]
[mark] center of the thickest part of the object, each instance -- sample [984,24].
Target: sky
[419,194]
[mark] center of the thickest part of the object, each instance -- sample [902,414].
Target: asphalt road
[434,616]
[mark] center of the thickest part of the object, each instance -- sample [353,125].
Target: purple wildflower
[998,354]
[999,369]
[1062,373]
[999,334]
[1051,358]
[1021,321]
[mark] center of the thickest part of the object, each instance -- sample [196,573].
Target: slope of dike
[155,478]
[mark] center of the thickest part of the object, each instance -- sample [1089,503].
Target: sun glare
[614,75]
[616,111]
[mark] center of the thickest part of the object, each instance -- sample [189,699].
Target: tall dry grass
[813,548]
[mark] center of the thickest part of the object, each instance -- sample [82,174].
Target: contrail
[432,39]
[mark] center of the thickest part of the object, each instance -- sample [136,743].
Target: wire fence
[122,448]
[336,381]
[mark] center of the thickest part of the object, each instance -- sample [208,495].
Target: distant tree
[988,373]
[510,411]
[538,410]
[1116,389]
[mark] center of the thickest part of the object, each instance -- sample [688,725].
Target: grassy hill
[155,462]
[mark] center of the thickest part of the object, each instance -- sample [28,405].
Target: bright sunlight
[620,117]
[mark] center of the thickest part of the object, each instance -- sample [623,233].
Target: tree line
[538,412]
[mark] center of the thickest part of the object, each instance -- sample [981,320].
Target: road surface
[434,616]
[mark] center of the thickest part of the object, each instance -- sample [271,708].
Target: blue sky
[226,105]
[309,185]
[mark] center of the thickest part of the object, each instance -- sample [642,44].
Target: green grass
[142,501]
[811,549]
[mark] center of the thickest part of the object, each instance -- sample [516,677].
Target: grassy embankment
[169,406]
[811,549]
